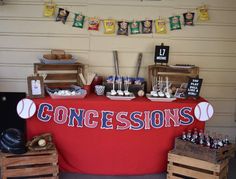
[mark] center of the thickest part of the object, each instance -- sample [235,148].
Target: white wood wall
[25,34]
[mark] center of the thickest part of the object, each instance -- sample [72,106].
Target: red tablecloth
[113,137]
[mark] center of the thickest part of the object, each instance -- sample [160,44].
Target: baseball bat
[116,63]
[139,64]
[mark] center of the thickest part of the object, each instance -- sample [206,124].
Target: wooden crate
[60,75]
[176,75]
[189,149]
[181,167]
[40,164]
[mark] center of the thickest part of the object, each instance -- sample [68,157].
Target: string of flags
[123,26]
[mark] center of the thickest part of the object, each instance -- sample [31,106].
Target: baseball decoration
[141,93]
[203,111]
[42,142]
[26,108]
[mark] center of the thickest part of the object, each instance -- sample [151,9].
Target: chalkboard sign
[194,87]
[161,54]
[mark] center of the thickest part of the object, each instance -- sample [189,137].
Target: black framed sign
[161,54]
[35,86]
[194,87]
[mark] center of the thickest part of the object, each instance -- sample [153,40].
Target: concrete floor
[64,175]
[231,174]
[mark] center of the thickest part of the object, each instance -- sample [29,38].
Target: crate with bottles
[201,145]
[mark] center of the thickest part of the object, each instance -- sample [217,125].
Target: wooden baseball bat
[116,63]
[139,64]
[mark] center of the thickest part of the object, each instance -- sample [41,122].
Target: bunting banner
[126,27]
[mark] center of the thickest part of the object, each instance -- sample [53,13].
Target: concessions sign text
[122,120]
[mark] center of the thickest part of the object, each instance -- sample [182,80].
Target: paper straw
[82,78]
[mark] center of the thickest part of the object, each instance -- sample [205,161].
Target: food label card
[194,87]
[161,54]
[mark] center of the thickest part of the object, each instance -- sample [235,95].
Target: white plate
[68,61]
[78,96]
[130,97]
[67,97]
[179,66]
[150,97]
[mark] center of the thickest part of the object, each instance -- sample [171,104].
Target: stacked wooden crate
[196,161]
[180,166]
[177,75]
[40,164]
[60,75]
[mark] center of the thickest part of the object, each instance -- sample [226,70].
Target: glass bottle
[194,137]
[201,138]
[214,144]
[207,140]
[189,135]
[220,141]
[184,137]
[226,140]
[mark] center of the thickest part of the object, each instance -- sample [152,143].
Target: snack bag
[49,9]
[146,26]
[175,23]
[160,26]
[93,23]
[188,18]
[79,21]
[203,13]
[109,26]
[62,15]
[135,27]
[123,28]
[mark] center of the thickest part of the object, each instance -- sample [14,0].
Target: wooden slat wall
[25,35]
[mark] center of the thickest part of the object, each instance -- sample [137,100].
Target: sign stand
[161,54]
[194,87]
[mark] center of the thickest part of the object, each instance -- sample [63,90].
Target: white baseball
[26,108]
[203,111]
[140,93]
[42,142]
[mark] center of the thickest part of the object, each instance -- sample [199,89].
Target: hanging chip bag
[146,26]
[49,9]
[135,27]
[188,18]
[93,23]
[160,26]
[62,15]
[79,21]
[109,26]
[203,13]
[175,23]
[123,28]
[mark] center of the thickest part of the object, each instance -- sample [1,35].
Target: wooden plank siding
[25,35]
